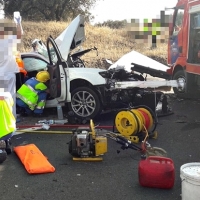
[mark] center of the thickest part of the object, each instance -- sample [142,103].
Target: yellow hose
[48,132]
[131,122]
[140,119]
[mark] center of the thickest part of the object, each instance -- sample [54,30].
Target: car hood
[90,74]
[140,59]
[71,37]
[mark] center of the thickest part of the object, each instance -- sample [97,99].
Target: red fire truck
[184,47]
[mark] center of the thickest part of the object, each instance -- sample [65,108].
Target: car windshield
[34,64]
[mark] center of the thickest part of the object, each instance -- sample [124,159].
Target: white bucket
[190,176]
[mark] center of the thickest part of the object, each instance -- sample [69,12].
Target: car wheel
[180,75]
[85,103]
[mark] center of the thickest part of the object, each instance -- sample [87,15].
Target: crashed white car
[85,91]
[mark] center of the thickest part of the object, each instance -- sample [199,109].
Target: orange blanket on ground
[33,159]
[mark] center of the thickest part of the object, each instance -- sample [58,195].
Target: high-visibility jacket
[20,64]
[7,119]
[29,92]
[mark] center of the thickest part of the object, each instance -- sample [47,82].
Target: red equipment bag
[156,172]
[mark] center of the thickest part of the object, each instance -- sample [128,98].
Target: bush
[113,24]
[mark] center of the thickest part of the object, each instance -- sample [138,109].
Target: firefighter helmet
[42,76]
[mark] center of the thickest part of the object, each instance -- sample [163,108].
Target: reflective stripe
[32,89]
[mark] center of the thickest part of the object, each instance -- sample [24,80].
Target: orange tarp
[33,159]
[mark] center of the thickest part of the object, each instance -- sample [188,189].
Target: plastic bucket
[190,176]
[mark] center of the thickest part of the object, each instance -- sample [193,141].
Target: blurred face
[7,29]
[8,39]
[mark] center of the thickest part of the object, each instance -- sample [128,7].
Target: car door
[58,69]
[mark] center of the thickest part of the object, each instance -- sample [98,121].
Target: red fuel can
[156,172]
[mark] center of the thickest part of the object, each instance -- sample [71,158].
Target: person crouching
[32,94]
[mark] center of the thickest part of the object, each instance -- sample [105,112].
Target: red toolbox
[156,172]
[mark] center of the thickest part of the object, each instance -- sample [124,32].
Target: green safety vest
[29,95]
[7,119]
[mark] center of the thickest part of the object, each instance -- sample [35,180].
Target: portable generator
[86,145]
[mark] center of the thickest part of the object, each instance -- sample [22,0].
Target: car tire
[180,75]
[85,103]
[192,92]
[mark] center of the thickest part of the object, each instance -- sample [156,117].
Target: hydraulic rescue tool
[89,144]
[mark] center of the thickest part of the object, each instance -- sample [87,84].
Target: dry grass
[111,43]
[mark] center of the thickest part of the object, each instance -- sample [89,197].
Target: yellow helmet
[42,76]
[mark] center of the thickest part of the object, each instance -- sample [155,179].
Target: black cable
[128,143]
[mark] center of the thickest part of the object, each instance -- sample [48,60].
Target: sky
[129,9]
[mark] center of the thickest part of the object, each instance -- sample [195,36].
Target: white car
[85,91]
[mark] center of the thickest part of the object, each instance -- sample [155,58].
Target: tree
[48,9]
[117,24]
[1,10]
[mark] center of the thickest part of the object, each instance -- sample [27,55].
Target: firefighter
[10,37]
[32,94]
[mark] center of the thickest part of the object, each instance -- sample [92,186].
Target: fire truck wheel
[180,75]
